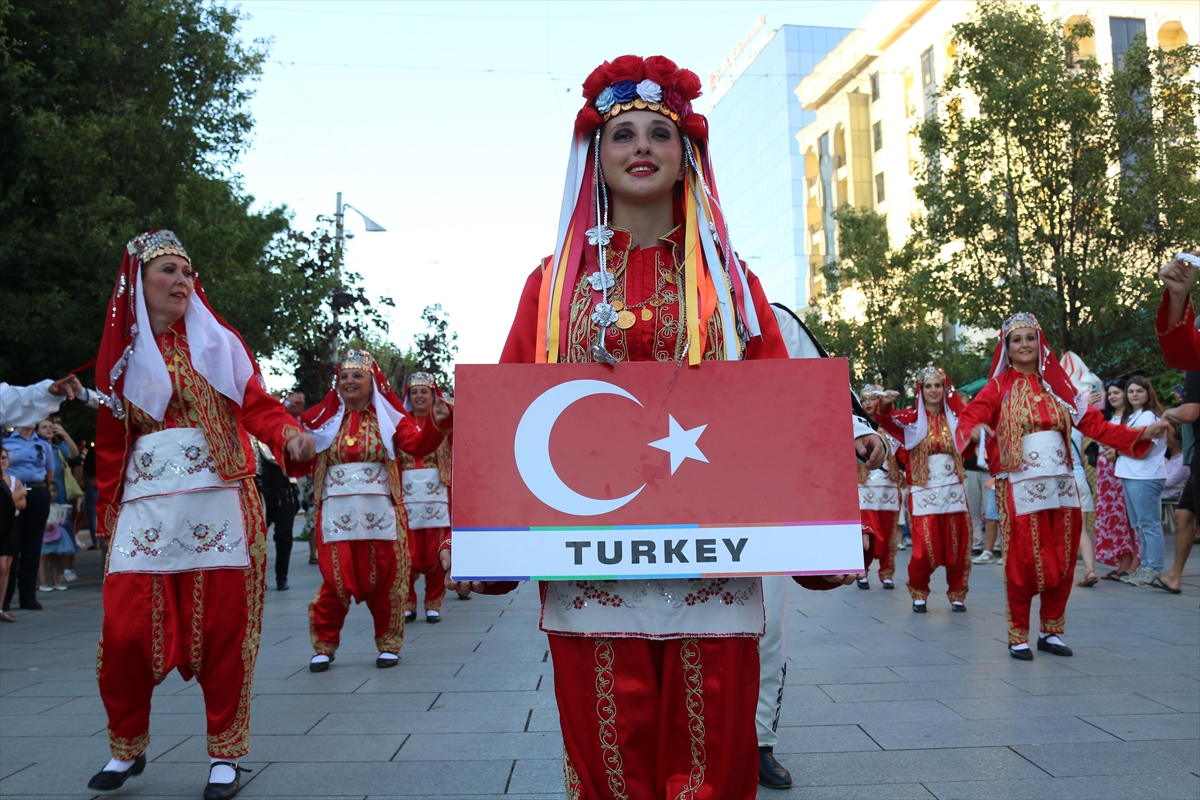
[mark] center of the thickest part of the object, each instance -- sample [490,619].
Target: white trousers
[772,658]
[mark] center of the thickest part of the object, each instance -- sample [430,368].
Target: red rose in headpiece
[696,126]
[660,69]
[688,84]
[596,82]
[588,119]
[629,68]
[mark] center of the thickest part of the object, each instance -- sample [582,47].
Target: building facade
[869,95]
[753,128]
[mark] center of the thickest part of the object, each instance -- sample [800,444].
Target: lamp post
[371,226]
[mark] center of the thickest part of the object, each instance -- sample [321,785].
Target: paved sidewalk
[880,702]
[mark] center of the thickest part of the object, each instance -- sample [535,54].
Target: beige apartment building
[874,88]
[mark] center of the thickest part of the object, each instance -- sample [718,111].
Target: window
[928,83]
[880,196]
[1124,30]
[874,86]
[877,135]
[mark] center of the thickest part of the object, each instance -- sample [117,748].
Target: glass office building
[759,166]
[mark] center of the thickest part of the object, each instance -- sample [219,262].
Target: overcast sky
[449,124]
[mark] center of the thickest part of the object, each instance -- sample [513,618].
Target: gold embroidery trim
[693,681]
[606,709]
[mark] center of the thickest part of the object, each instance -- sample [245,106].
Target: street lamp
[371,226]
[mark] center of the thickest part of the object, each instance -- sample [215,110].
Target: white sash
[878,493]
[1045,480]
[426,498]
[943,493]
[177,515]
[356,503]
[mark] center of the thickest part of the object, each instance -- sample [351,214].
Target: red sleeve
[770,344]
[521,347]
[984,409]
[890,420]
[268,421]
[112,442]
[420,442]
[1180,342]
[1125,439]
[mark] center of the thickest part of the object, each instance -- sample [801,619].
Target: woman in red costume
[879,493]
[1027,410]
[363,551]
[426,481]
[937,499]
[656,695]
[175,469]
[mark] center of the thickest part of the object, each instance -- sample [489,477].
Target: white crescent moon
[532,449]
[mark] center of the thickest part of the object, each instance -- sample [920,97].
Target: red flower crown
[633,83]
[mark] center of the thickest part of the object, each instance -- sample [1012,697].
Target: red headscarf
[226,367]
[325,418]
[1049,368]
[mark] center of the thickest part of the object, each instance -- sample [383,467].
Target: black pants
[281,505]
[29,526]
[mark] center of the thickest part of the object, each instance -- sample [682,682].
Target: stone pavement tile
[65,747]
[831,656]
[13,680]
[916,690]
[538,776]
[1131,727]
[823,739]
[67,773]
[75,705]
[1180,663]
[1187,702]
[1113,758]
[407,779]
[902,711]
[806,694]
[985,733]
[478,669]
[322,749]
[492,701]
[797,674]
[1178,786]
[1050,706]
[57,689]
[449,683]
[912,766]
[13,725]
[399,722]
[340,702]
[1038,668]
[544,719]
[891,791]
[452,746]
[1084,684]
[27,706]
[340,679]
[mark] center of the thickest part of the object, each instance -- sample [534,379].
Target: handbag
[53,533]
[72,487]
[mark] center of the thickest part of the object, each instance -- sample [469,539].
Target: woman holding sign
[1027,409]
[175,467]
[937,498]
[361,521]
[656,699]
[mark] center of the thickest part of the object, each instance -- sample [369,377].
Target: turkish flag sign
[572,471]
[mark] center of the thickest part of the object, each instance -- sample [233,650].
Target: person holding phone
[1176,320]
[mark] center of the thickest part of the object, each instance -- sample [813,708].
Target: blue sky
[449,124]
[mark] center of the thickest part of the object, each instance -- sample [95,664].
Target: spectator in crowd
[280,501]
[58,552]
[90,493]
[1185,415]
[1115,541]
[990,554]
[12,500]
[975,476]
[1087,505]
[1142,480]
[31,460]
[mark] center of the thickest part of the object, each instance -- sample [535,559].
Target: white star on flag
[681,444]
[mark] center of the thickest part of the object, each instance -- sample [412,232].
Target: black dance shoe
[410,616]
[958,607]
[281,585]
[1053,649]
[863,583]
[385,663]
[920,608]
[889,585]
[771,773]
[319,666]
[106,781]
[1025,654]
[224,791]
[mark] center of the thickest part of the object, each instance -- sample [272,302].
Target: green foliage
[1065,187]
[879,311]
[435,349]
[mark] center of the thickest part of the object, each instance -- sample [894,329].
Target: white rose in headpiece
[649,91]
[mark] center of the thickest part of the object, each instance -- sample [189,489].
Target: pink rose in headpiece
[627,68]
[672,99]
[660,69]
